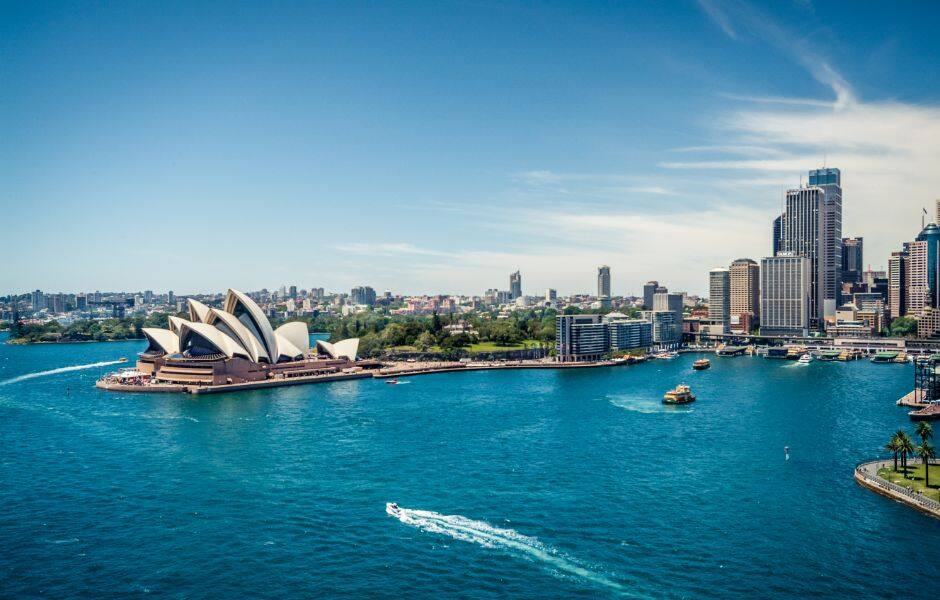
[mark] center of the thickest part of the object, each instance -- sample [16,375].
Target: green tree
[925,452]
[904,327]
[924,431]
[894,447]
[905,447]
[424,341]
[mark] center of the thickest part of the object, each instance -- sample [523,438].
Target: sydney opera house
[237,345]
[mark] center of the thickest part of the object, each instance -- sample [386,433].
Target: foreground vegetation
[86,330]
[913,477]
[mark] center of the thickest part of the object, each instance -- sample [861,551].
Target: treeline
[86,330]
[378,332]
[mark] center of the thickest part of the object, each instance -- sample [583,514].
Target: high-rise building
[626,333]
[581,337]
[852,260]
[830,250]
[362,295]
[551,295]
[917,277]
[930,235]
[170,298]
[665,328]
[897,284]
[603,281]
[292,292]
[148,296]
[671,303]
[937,216]
[745,294]
[777,236]
[801,228]
[719,297]
[38,300]
[515,285]
[785,292]
[649,289]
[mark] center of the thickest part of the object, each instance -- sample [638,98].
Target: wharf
[929,413]
[912,399]
[150,388]
[427,368]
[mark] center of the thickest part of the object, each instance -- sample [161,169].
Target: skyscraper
[648,290]
[801,227]
[897,284]
[830,243]
[777,235]
[515,285]
[38,300]
[785,294]
[292,292]
[852,260]
[719,298]
[745,293]
[930,235]
[603,281]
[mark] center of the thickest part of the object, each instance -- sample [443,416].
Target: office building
[515,285]
[292,291]
[650,288]
[852,260]
[744,275]
[719,298]
[603,281]
[830,251]
[38,300]
[777,234]
[664,302]
[930,237]
[581,338]
[551,295]
[626,333]
[785,292]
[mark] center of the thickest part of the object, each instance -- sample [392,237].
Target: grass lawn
[917,484]
[493,347]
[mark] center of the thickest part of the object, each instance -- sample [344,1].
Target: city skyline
[642,150]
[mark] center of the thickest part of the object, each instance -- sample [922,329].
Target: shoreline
[866,475]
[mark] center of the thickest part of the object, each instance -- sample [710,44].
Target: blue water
[528,483]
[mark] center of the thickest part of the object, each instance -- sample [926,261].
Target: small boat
[701,364]
[122,359]
[392,508]
[391,381]
[666,355]
[681,395]
[804,360]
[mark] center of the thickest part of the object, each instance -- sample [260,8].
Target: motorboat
[681,395]
[701,364]
[666,355]
[392,508]
[122,359]
[391,381]
[804,360]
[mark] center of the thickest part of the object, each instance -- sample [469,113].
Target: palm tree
[924,431]
[894,447]
[925,452]
[907,448]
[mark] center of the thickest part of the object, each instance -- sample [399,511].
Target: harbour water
[526,483]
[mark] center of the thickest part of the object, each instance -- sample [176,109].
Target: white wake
[508,540]
[57,371]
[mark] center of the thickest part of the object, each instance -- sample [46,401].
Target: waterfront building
[744,275]
[236,345]
[852,260]
[603,282]
[581,338]
[719,298]
[785,285]
[650,288]
[928,323]
[626,333]
[669,302]
[666,330]
[515,285]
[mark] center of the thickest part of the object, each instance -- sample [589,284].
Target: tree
[904,327]
[924,431]
[894,446]
[906,447]
[925,452]
[424,341]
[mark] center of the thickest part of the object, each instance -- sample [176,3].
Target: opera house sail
[236,344]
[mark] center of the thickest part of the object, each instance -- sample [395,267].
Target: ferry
[701,364]
[805,359]
[681,395]
[828,355]
[884,357]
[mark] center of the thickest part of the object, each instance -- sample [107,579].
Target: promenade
[866,474]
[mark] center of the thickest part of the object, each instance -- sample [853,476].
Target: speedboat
[392,508]
[391,381]
[122,359]
[805,359]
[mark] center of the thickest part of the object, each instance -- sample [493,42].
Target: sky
[435,147]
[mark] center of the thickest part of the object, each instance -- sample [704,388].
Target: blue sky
[438,146]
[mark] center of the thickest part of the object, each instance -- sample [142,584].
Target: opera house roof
[239,329]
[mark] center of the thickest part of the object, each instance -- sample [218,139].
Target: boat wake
[507,540]
[19,378]
[646,406]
